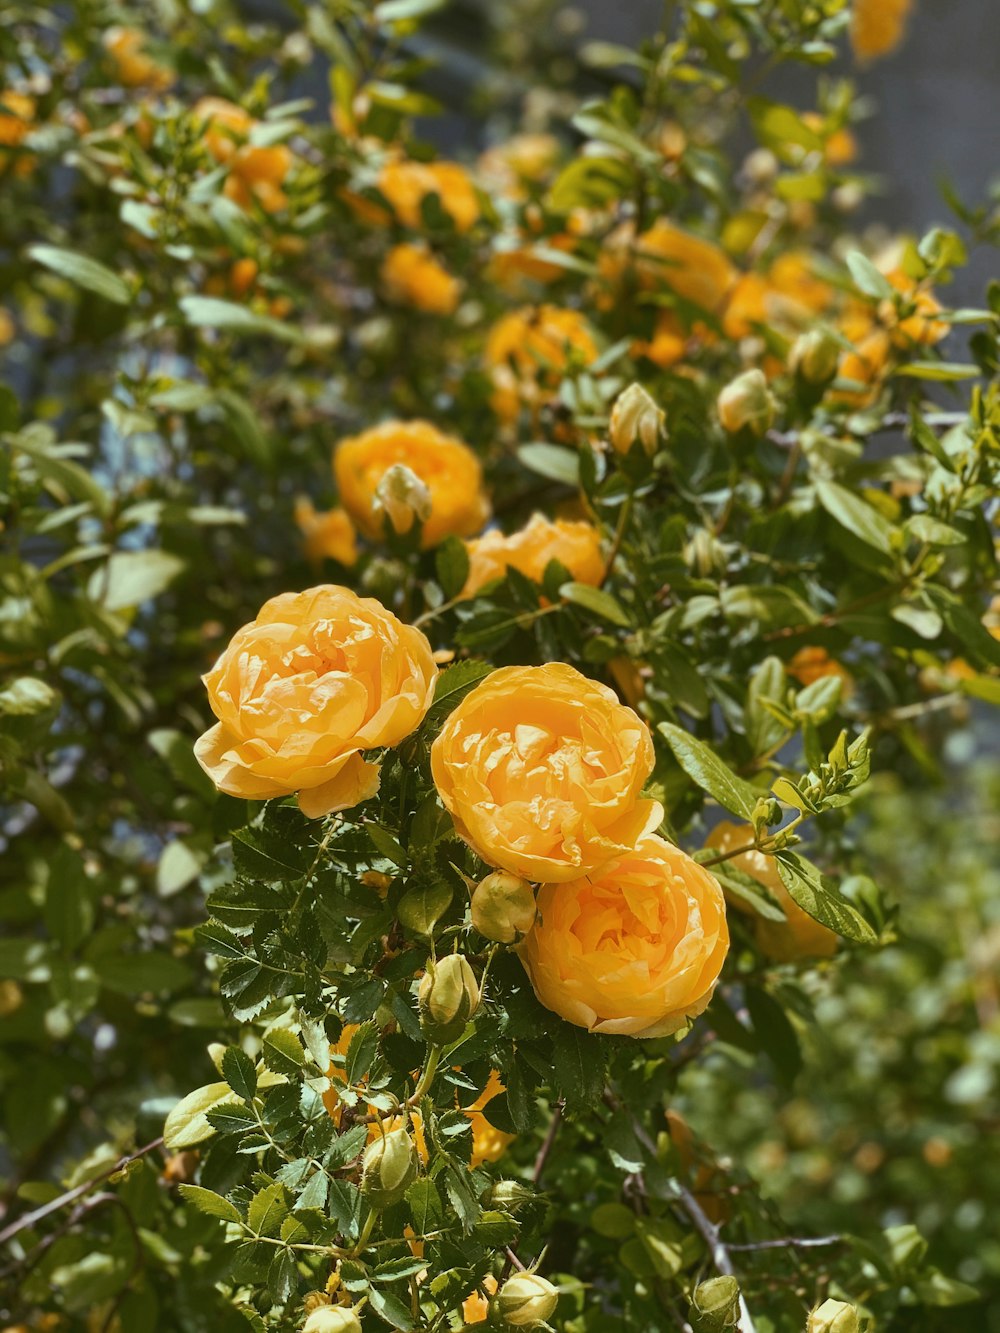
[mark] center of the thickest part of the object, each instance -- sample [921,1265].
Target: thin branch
[53,1206]
[550,1139]
[788,1243]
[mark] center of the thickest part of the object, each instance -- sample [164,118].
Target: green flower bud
[332,1319]
[635,417]
[716,1304]
[510,1194]
[448,997]
[525,1301]
[503,907]
[388,1168]
[833,1317]
[704,554]
[747,402]
[814,356]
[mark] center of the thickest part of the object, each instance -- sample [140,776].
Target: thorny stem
[416,1096]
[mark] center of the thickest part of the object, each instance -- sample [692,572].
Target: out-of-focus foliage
[765,452]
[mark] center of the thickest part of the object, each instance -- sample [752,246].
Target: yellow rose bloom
[488,1144]
[412,276]
[812,663]
[530,350]
[798,936]
[541,770]
[305,689]
[664,256]
[877,27]
[254,172]
[405,184]
[447,467]
[476,1308]
[529,550]
[327,533]
[135,68]
[635,949]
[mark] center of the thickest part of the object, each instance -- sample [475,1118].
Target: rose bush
[540,933]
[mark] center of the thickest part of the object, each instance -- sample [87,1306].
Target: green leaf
[132,577]
[622,1145]
[937,1290]
[868,279]
[283,1051]
[552,462]
[857,516]
[264,854]
[763,729]
[239,1072]
[451,562]
[314,1194]
[389,1307]
[210,1203]
[451,687]
[361,1053]
[708,771]
[944,371]
[578,1066]
[398,11]
[765,606]
[209,312]
[595,600]
[83,272]
[268,1209]
[187,1124]
[424,1203]
[775,1033]
[818,896]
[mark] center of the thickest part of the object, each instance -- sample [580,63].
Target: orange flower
[667,258]
[412,276]
[529,550]
[523,158]
[921,327]
[17,116]
[866,365]
[635,949]
[405,185]
[448,469]
[530,350]
[135,68]
[813,663]
[255,172]
[877,27]
[542,769]
[305,689]
[798,936]
[476,1308]
[840,147]
[488,1144]
[328,533]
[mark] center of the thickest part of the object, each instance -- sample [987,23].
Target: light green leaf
[187,1124]
[856,515]
[597,601]
[818,896]
[210,312]
[709,772]
[207,1201]
[133,577]
[551,461]
[83,272]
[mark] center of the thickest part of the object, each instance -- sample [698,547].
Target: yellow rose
[448,468]
[812,663]
[17,116]
[476,1308]
[541,770]
[412,276]
[636,949]
[798,936]
[305,689]
[529,550]
[135,68]
[664,256]
[405,184]
[877,27]
[530,350]
[254,172]
[327,533]
[488,1144]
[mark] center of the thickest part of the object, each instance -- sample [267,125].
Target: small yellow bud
[635,417]
[448,997]
[388,1168]
[402,497]
[503,907]
[332,1319]
[747,402]
[525,1301]
[704,554]
[833,1317]
[716,1304]
[815,356]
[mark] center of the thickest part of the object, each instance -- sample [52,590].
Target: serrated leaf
[451,686]
[424,1203]
[817,895]
[361,1053]
[210,1203]
[314,1194]
[708,771]
[229,1118]
[268,1209]
[187,1124]
[388,1306]
[238,1071]
[283,1051]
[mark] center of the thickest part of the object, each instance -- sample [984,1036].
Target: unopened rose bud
[402,497]
[388,1168]
[814,356]
[635,417]
[525,1301]
[716,1304]
[833,1317]
[747,402]
[503,907]
[760,166]
[510,1194]
[704,554]
[448,997]
[332,1319]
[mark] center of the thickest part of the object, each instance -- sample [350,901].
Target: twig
[513,1260]
[788,1243]
[550,1139]
[53,1206]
